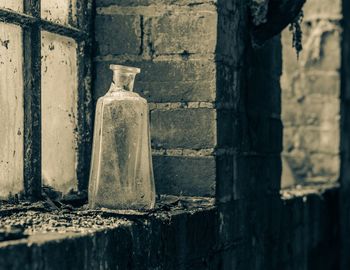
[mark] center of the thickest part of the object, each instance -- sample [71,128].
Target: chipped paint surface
[59,112]
[11,110]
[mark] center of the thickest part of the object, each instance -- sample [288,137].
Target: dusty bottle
[121,175]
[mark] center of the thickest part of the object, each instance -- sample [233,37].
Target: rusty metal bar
[85,108]
[32,100]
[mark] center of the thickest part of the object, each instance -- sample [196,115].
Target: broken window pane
[11,110]
[59,111]
[16,5]
[59,11]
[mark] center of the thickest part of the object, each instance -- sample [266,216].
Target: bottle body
[121,175]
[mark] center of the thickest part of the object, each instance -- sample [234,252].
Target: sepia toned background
[250,143]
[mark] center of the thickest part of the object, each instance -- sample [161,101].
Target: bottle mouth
[125,69]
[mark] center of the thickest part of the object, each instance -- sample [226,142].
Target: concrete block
[324,141]
[166,81]
[117,34]
[323,84]
[183,128]
[228,84]
[193,176]
[183,32]
[265,134]
[321,9]
[263,172]
[325,166]
[227,129]
[329,58]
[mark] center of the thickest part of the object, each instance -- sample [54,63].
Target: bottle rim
[125,69]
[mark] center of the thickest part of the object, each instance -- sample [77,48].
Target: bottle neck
[122,81]
[114,88]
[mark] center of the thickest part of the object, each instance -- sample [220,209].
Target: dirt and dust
[24,219]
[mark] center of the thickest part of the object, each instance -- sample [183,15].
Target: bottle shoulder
[122,96]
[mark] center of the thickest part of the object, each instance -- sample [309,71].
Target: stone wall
[311,96]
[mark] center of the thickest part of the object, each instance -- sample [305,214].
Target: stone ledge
[303,191]
[180,231]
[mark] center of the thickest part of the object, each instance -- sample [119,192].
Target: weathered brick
[183,32]
[166,81]
[323,84]
[224,172]
[193,176]
[228,45]
[290,139]
[227,128]
[291,114]
[322,112]
[311,140]
[298,161]
[324,141]
[228,84]
[322,9]
[183,128]
[117,34]
[265,134]
[263,82]
[260,100]
[331,60]
[262,172]
[290,60]
[267,60]
[311,90]
[325,166]
[318,54]
[313,165]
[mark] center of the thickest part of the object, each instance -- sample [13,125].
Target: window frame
[32,24]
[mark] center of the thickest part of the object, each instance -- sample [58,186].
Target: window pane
[16,5]
[59,111]
[59,11]
[11,110]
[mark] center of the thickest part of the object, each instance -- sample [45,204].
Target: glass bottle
[121,175]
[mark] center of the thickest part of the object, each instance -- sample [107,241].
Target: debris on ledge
[24,219]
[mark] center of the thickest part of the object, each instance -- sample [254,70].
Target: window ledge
[31,224]
[305,190]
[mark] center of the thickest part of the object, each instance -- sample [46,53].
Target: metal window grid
[32,24]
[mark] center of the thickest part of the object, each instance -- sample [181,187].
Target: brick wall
[174,44]
[216,126]
[311,95]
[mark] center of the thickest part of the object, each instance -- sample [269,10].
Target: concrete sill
[303,191]
[91,238]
